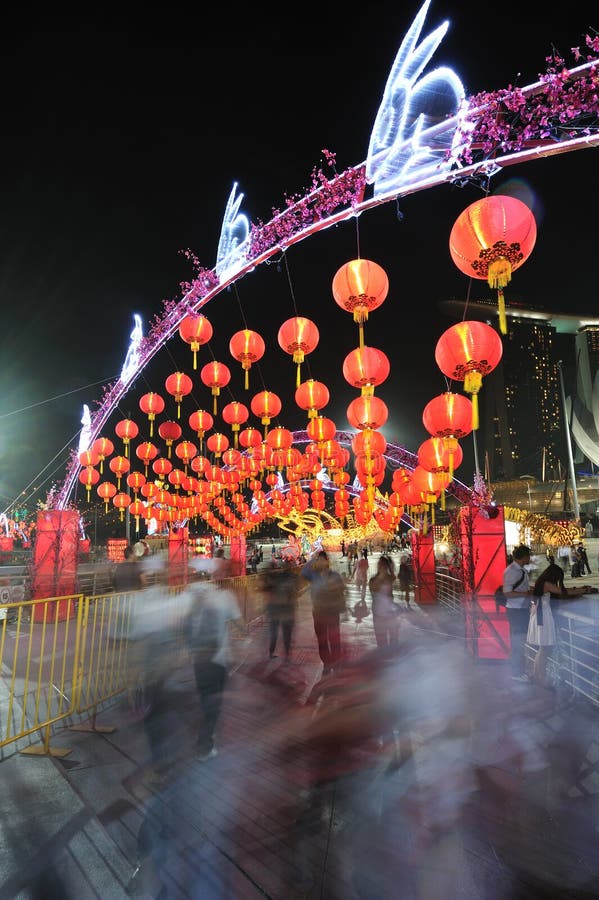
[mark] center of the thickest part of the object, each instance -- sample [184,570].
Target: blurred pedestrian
[541,626]
[212,609]
[404,576]
[127,575]
[280,586]
[385,612]
[327,590]
[361,574]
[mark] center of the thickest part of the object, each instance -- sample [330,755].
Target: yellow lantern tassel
[474,412]
[195,365]
[501,311]
[178,410]
[214,406]
[361,335]
[247,379]
[298,380]
[443,501]
[432,513]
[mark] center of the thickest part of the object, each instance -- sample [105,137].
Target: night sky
[121,143]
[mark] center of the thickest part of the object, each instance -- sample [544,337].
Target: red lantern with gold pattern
[179,385]
[279,439]
[162,467]
[367,412]
[195,330]
[126,429]
[366,368]
[121,501]
[250,438]
[369,441]
[185,451]
[215,375]
[320,429]
[235,414]
[138,509]
[89,457]
[359,287]
[152,405]
[448,416]
[298,336]
[492,238]
[434,455]
[466,352]
[247,347]
[136,480]
[169,431]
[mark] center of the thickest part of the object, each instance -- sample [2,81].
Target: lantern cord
[358,236]
[245,324]
[23,409]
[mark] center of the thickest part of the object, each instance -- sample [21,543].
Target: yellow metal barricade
[39,652]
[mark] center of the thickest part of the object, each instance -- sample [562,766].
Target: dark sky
[121,142]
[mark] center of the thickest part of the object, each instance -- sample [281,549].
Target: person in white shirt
[516,588]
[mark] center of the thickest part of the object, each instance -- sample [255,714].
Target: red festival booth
[482,538]
[55,562]
[423,561]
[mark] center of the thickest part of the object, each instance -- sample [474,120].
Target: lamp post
[528,479]
[569,443]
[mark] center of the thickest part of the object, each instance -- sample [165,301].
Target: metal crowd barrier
[574,661]
[63,658]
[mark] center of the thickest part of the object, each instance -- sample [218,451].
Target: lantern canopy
[247,347]
[466,352]
[492,238]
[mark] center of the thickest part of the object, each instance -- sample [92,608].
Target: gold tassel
[361,334]
[501,309]
[247,379]
[195,359]
[298,380]
[474,412]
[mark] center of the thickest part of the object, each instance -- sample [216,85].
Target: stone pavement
[243,825]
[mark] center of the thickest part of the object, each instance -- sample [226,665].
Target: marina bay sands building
[522,413]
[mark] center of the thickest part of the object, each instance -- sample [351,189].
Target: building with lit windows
[521,410]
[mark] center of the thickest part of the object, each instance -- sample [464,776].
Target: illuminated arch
[413,146]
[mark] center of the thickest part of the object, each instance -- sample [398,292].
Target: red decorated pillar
[482,538]
[423,561]
[55,561]
[238,554]
[178,541]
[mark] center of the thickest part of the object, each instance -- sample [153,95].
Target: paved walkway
[472,787]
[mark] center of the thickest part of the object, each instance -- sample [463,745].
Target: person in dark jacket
[280,587]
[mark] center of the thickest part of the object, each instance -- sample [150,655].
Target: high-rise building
[521,411]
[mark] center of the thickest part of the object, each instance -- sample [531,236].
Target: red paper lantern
[298,336]
[235,414]
[266,405]
[119,465]
[492,238]
[152,405]
[215,375]
[89,457]
[312,396]
[250,438]
[146,452]
[247,347]
[169,431]
[201,422]
[186,451]
[121,501]
[162,467]
[106,491]
[320,429]
[279,439]
[448,416]
[195,329]
[136,480]
[126,430]
[217,443]
[103,447]
[366,368]
[89,477]
[179,385]
[367,412]
[359,287]
[369,441]
[138,509]
[434,455]
[466,352]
